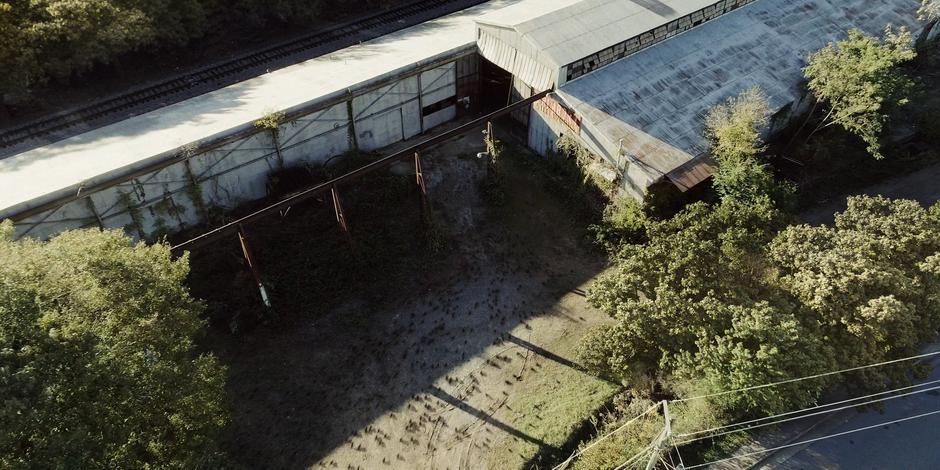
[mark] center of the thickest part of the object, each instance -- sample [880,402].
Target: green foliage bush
[861,81]
[721,298]
[625,443]
[98,367]
[734,130]
[54,39]
[624,222]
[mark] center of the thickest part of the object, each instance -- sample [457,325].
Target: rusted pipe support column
[253,266]
[340,215]
[422,187]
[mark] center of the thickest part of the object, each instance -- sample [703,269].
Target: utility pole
[663,437]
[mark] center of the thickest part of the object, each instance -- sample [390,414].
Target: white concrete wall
[316,137]
[545,129]
[387,115]
[73,215]
[438,85]
[235,172]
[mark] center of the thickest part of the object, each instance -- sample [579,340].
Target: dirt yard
[470,368]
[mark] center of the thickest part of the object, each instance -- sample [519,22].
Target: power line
[816,376]
[807,415]
[678,454]
[755,420]
[808,441]
[579,452]
[635,458]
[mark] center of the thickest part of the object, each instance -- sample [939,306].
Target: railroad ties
[225,73]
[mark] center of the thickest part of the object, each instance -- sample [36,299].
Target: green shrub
[624,221]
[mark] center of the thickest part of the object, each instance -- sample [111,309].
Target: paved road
[922,185]
[909,445]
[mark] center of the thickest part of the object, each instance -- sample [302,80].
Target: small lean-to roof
[564,31]
[655,100]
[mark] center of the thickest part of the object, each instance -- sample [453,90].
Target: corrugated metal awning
[521,65]
[692,172]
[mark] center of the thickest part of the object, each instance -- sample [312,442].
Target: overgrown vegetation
[734,129]
[56,39]
[627,441]
[492,183]
[832,161]
[97,362]
[733,293]
[860,80]
[929,11]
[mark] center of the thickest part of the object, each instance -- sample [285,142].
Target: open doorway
[495,87]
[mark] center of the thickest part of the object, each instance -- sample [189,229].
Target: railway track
[221,74]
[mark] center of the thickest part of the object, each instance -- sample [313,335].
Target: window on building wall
[442,104]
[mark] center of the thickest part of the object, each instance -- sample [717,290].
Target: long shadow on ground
[308,388]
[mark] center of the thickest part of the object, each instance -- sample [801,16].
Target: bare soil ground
[471,366]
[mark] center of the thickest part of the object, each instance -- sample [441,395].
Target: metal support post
[422,187]
[253,266]
[662,439]
[340,215]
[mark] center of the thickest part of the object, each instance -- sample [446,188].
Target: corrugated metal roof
[655,100]
[692,172]
[568,30]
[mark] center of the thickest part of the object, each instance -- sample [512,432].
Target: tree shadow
[483,416]
[307,387]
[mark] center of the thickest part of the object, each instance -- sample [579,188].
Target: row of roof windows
[618,51]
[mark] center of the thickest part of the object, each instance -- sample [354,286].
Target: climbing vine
[272,122]
[137,220]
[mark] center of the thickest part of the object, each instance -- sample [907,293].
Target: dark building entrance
[495,87]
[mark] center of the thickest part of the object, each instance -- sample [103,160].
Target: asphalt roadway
[910,444]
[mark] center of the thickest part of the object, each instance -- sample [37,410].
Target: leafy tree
[860,79]
[865,280]
[17,56]
[718,300]
[623,222]
[72,35]
[97,362]
[284,11]
[174,22]
[682,301]
[734,130]
[929,11]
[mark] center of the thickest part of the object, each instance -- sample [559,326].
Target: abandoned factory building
[631,81]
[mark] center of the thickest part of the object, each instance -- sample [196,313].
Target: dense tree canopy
[718,299]
[860,80]
[97,367]
[43,39]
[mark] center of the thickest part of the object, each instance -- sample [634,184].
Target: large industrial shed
[162,171]
[638,100]
[632,80]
